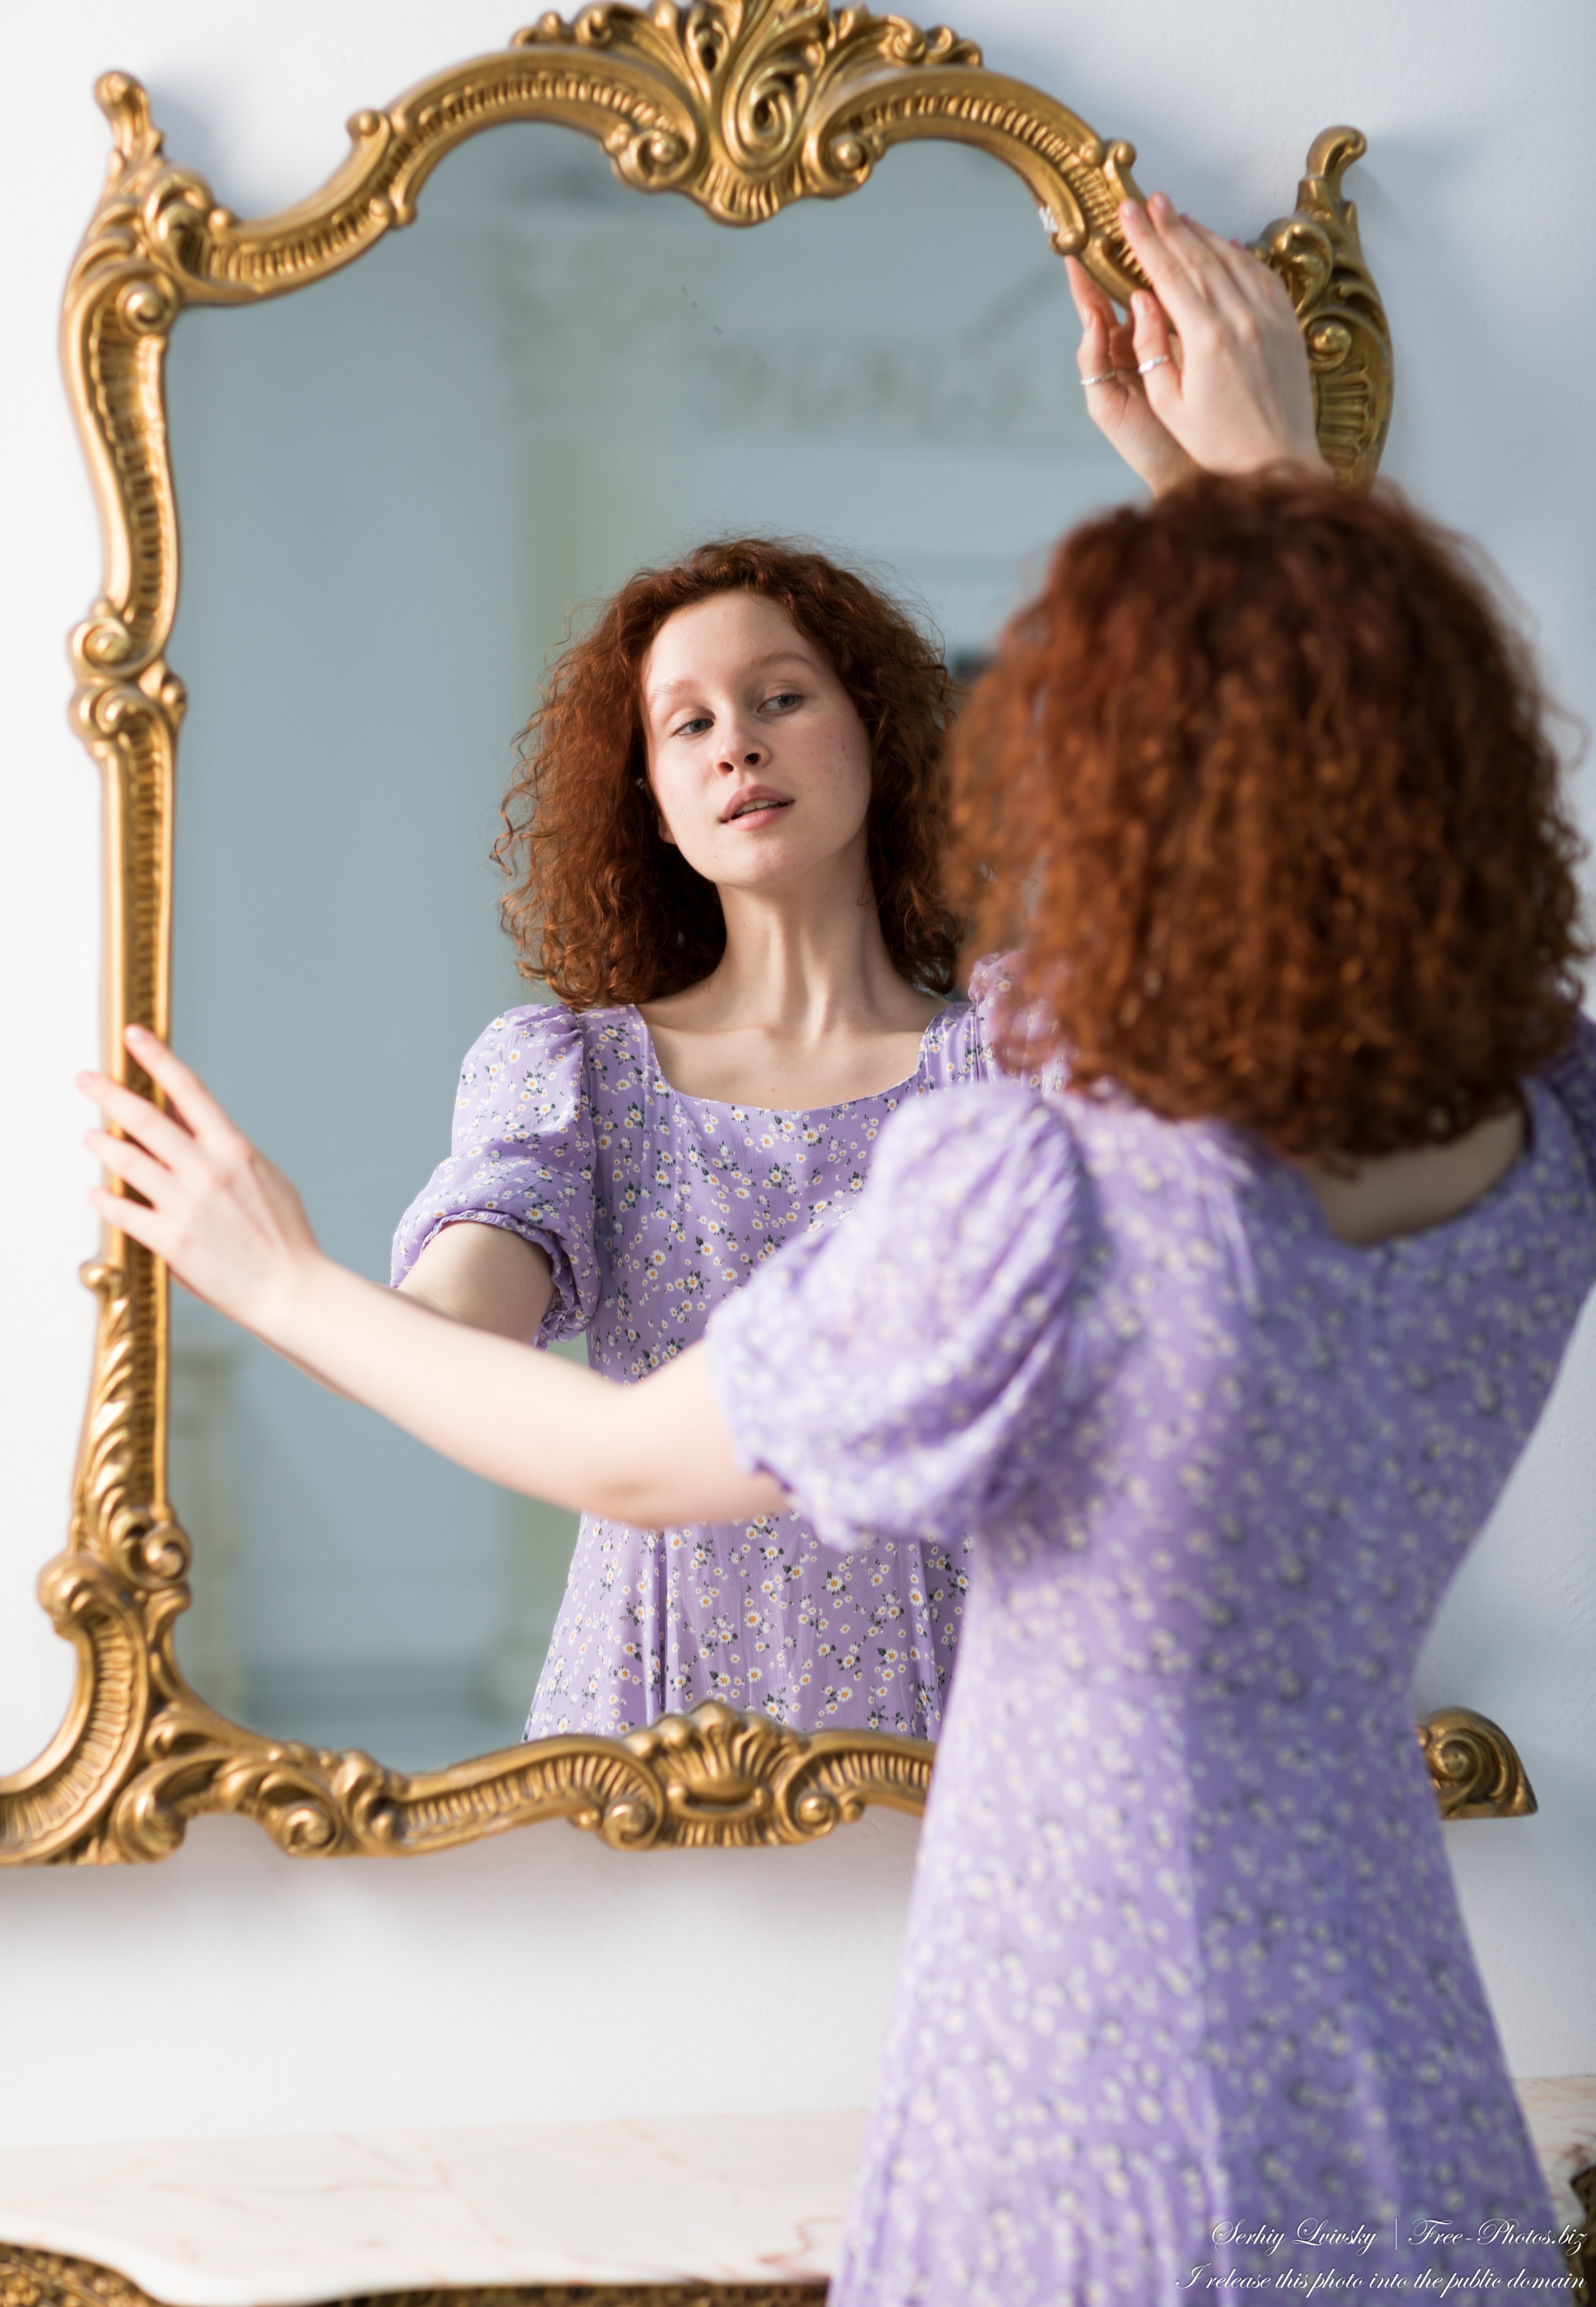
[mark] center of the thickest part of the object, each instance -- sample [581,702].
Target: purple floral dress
[653,1208]
[1188,2004]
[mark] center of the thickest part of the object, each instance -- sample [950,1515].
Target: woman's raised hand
[1116,396]
[226,1220]
[1210,374]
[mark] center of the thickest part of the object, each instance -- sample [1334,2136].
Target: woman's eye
[692,728]
[784,700]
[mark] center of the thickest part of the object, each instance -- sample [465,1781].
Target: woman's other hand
[1221,382]
[226,1220]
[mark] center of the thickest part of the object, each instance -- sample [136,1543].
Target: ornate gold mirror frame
[744,106]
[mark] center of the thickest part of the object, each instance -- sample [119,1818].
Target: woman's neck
[803,1009]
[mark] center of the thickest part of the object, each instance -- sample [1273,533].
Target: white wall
[293,1988]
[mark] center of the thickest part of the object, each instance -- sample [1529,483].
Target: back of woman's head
[1261,784]
[607,911]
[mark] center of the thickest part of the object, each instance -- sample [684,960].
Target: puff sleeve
[905,1373]
[1024,1035]
[521,1157]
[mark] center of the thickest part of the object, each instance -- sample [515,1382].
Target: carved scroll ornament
[744,106]
[1475,1767]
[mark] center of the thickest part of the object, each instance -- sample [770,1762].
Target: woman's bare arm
[485,1276]
[230,1225]
[652,1454]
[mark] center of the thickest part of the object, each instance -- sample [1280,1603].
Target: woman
[1221,1345]
[728,839]
[726,846]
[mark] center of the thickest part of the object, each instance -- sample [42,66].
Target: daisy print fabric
[653,1208]
[1187,2009]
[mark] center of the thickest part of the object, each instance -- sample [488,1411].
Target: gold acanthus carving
[744,106]
[1318,253]
[713,1776]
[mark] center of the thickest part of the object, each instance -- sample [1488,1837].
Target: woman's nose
[744,752]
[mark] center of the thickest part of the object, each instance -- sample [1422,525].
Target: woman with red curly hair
[726,851]
[1219,1328]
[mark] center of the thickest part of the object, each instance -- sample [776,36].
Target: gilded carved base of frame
[744,106]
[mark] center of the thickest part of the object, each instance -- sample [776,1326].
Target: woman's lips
[756,808]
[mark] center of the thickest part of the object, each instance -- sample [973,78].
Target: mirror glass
[396,490]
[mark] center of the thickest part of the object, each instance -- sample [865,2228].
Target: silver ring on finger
[1165,360]
[1108,377]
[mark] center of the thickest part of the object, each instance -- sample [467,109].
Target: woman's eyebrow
[755,665]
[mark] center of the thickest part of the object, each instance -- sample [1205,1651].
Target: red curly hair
[1261,784]
[602,907]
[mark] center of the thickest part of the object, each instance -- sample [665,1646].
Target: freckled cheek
[840,788]
[689,800]
[833,774]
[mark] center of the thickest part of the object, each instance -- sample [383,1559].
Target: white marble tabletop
[1561,2113]
[282,2222]
[272,2222]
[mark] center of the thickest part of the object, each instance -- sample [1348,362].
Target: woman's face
[759,762]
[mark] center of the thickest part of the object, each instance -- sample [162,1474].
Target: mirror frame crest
[744,106]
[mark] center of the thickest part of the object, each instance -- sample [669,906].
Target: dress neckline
[795,1113]
[1291,1188]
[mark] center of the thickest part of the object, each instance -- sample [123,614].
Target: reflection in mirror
[398,489]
